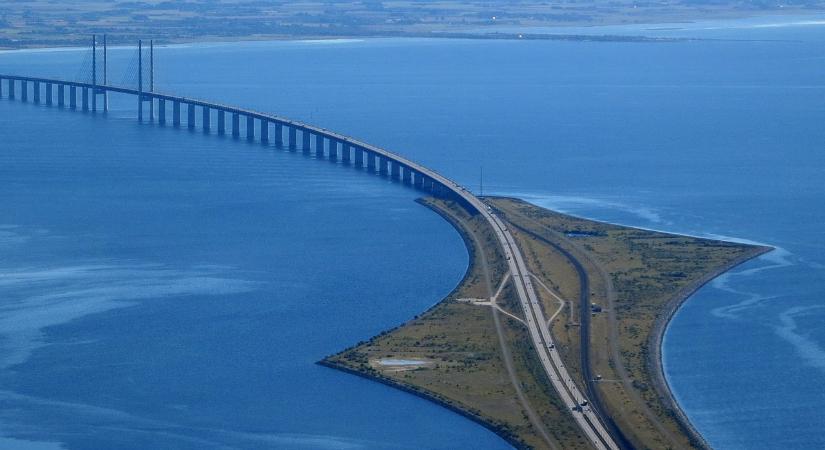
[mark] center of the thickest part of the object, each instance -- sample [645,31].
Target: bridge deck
[588,420]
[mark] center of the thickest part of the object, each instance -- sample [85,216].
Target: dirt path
[506,354]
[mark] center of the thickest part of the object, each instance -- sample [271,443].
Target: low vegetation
[51,22]
[477,359]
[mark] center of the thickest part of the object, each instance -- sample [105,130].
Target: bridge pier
[333,150]
[61,90]
[250,128]
[221,122]
[439,190]
[206,117]
[85,98]
[190,116]
[382,166]
[279,134]
[305,137]
[395,170]
[73,97]
[292,137]
[11,89]
[36,91]
[319,146]
[49,94]
[1,88]
[175,113]
[359,157]
[418,182]
[345,152]
[162,111]
[236,125]
[405,176]
[264,131]
[24,91]
[370,161]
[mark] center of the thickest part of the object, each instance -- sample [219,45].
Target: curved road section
[539,332]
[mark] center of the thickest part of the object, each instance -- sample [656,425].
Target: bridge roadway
[425,178]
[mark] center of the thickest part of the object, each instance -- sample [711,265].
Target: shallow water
[712,138]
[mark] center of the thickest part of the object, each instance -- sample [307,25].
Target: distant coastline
[15,35]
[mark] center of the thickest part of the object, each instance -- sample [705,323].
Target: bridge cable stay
[84,72]
[130,75]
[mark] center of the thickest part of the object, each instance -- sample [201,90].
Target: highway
[540,336]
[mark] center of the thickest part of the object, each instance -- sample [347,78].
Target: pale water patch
[777,259]
[809,350]
[571,204]
[19,444]
[37,298]
[9,235]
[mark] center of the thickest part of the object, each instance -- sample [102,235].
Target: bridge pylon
[95,90]
[144,95]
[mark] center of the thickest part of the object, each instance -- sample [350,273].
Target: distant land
[43,23]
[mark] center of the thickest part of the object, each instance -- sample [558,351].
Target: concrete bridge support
[439,190]
[359,157]
[405,176]
[345,152]
[206,118]
[85,97]
[418,181]
[24,91]
[333,150]
[73,97]
[319,146]
[1,88]
[382,166]
[10,88]
[250,128]
[305,137]
[279,134]
[190,116]
[370,161]
[162,111]
[61,97]
[293,138]
[36,91]
[426,183]
[176,113]
[264,131]
[49,95]
[236,125]
[221,121]
[395,170]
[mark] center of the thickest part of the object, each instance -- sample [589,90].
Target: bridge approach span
[333,145]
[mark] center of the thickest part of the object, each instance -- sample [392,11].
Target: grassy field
[474,356]
[636,278]
[28,23]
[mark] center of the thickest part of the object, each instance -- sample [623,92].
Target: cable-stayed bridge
[92,89]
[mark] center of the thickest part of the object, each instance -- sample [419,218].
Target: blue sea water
[167,288]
